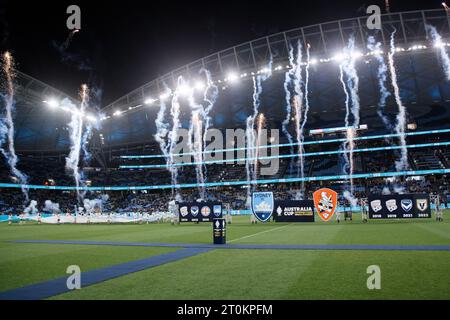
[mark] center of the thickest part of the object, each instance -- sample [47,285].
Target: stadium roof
[424,89]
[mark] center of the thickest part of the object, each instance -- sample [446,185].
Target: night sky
[123,45]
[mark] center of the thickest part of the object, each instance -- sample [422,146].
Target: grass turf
[240,274]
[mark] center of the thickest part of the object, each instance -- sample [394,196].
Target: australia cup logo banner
[325,201]
[262,205]
[294,211]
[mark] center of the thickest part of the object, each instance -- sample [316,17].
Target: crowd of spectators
[12,200]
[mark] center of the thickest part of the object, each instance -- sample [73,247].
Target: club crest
[205,211]
[422,204]
[406,204]
[376,205]
[325,201]
[391,205]
[194,211]
[184,211]
[217,210]
[262,205]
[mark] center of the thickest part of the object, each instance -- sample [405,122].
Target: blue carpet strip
[248,246]
[58,286]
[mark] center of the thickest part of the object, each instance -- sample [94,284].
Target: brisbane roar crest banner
[325,201]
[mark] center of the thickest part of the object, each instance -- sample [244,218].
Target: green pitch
[233,273]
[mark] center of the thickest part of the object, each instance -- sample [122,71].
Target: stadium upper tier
[131,119]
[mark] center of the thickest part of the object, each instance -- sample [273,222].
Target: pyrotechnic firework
[302,127]
[76,139]
[195,147]
[209,96]
[287,90]
[375,48]
[173,134]
[402,163]
[294,104]
[250,123]
[66,43]
[260,125]
[440,45]
[7,123]
[347,68]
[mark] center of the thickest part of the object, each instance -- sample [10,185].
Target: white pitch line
[251,235]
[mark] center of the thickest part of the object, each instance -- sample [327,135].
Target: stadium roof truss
[324,39]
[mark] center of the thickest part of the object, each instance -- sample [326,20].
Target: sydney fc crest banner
[399,206]
[262,205]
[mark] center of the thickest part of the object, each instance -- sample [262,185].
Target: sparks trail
[7,123]
[346,166]
[162,129]
[375,48]
[287,83]
[351,86]
[209,97]
[78,140]
[294,104]
[301,195]
[402,163]
[298,104]
[438,43]
[250,124]
[69,38]
[261,122]
[86,136]
[173,135]
[195,141]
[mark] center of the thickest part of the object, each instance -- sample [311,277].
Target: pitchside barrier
[293,211]
[399,206]
[199,211]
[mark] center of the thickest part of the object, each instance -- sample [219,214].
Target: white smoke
[250,124]
[351,87]
[399,189]
[402,163]
[52,207]
[350,198]
[7,123]
[301,193]
[75,134]
[173,134]
[162,127]
[91,205]
[209,96]
[386,191]
[375,48]
[32,207]
[287,83]
[438,43]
